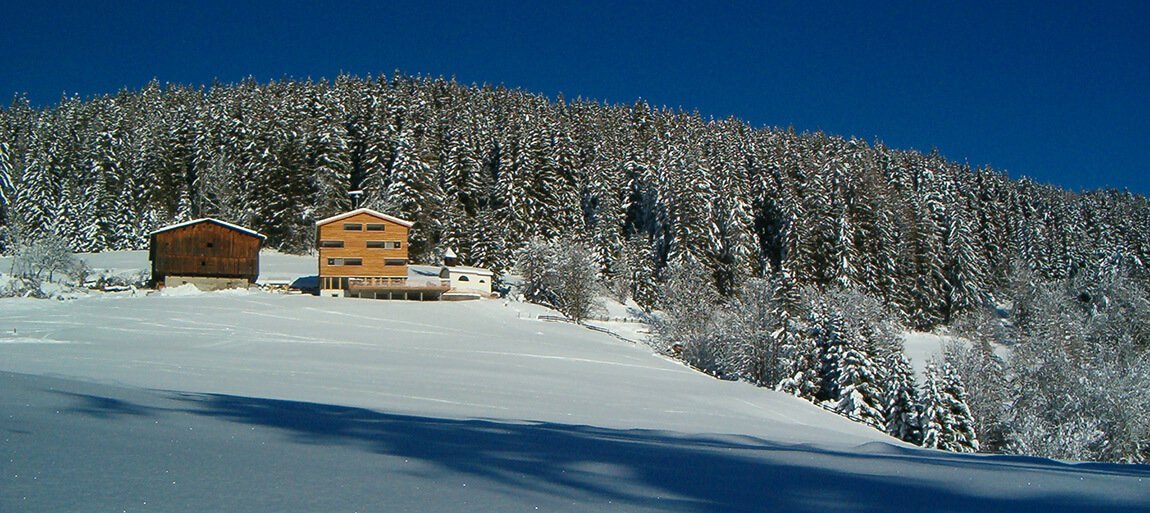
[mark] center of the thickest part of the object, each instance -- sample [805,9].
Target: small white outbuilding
[467,279]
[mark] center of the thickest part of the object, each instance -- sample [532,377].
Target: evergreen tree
[946,420]
[901,408]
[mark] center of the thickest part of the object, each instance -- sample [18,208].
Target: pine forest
[787,259]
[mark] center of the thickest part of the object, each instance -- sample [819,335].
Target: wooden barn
[208,253]
[363,253]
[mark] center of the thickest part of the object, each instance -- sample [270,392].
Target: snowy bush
[560,274]
[42,259]
[686,324]
[1077,383]
[43,268]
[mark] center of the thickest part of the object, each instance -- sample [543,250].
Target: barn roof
[211,220]
[367,211]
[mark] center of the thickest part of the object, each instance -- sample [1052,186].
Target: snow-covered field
[249,401]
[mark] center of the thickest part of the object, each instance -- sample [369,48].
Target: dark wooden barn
[209,253]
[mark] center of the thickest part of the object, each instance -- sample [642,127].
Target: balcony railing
[392,282]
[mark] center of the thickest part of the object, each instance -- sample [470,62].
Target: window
[383,244]
[395,261]
[375,227]
[210,244]
[353,227]
[331,243]
[345,261]
[335,282]
[464,278]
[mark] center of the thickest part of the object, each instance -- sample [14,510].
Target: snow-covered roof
[422,271]
[225,224]
[468,270]
[367,211]
[450,253]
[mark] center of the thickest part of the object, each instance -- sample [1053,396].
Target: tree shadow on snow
[103,407]
[687,473]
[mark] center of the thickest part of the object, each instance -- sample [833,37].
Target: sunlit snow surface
[191,402]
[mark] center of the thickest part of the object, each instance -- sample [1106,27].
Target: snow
[225,401]
[368,211]
[210,220]
[922,348]
[274,266]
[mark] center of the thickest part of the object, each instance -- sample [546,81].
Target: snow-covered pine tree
[329,156]
[984,375]
[796,339]
[7,194]
[751,320]
[934,417]
[860,390]
[964,272]
[901,409]
[964,438]
[946,420]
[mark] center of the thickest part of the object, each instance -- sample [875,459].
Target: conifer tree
[901,409]
[946,420]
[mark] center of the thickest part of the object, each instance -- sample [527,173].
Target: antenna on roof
[355,195]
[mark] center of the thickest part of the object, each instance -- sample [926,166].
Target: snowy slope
[263,402]
[923,348]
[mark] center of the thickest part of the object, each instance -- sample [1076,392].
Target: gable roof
[367,211]
[225,224]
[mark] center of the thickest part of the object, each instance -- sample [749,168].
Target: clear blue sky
[1059,91]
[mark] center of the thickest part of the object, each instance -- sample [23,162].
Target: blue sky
[1058,91]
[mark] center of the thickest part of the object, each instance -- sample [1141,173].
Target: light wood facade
[361,246]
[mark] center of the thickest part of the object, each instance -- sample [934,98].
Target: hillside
[482,170]
[265,402]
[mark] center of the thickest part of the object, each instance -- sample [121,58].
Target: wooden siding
[355,246]
[205,249]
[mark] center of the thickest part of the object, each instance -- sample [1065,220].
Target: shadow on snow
[677,472]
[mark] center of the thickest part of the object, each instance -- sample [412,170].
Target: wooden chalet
[208,253]
[363,253]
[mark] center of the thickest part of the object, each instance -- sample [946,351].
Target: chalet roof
[450,254]
[468,270]
[225,224]
[367,211]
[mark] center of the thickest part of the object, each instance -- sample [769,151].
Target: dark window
[464,278]
[376,244]
[203,263]
[375,227]
[353,227]
[211,244]
[395,261]
[331,243]
[345,261]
